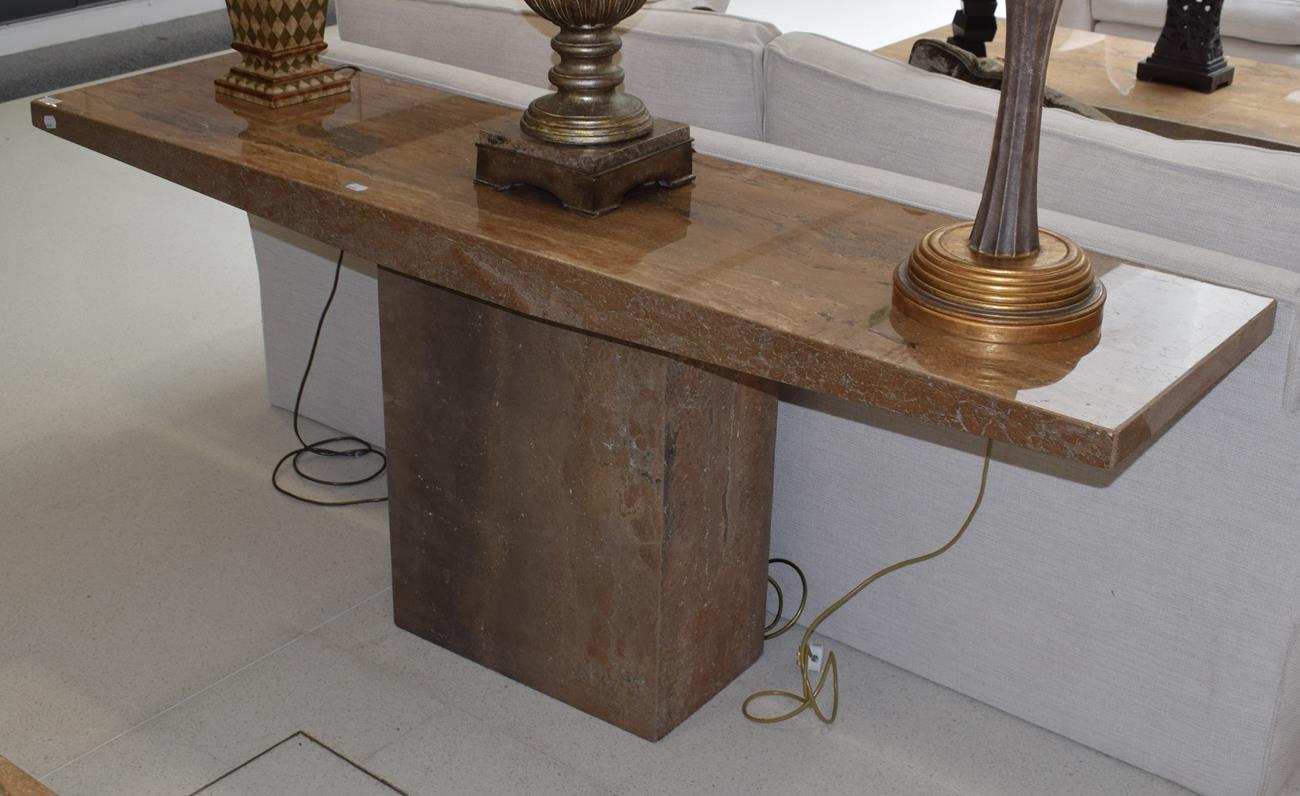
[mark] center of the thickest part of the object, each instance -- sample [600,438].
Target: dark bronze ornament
[1001,279]
[1189,51]
[974,26]
[588,143]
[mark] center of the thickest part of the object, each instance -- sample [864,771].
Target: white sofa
[1153,613]
[1265,30]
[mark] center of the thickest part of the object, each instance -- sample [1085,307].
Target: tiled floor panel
[299,766]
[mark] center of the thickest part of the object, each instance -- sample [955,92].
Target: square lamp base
[314,85]
[1207,78]
[589,179]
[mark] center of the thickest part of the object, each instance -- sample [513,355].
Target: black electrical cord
[359,448]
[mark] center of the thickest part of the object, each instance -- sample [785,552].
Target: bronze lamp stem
[1007,222]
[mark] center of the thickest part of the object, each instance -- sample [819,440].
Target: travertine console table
[581,413]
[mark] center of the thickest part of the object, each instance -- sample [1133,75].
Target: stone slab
[745,269]
[589,518]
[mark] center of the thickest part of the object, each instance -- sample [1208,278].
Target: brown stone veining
[749,270]
[1262,108]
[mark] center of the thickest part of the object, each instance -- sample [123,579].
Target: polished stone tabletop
[746,269]
[1261,107]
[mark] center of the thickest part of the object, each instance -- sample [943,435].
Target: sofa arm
[1077,14]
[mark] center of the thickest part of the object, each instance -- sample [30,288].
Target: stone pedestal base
[589,518]
[1202,77]
[590,179]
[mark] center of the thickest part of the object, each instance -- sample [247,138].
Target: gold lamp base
[1043,297]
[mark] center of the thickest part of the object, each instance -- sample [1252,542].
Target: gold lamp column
[588,143]
[1001,279]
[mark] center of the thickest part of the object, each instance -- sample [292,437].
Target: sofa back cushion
[691,66]
[1266,21]
[830,99]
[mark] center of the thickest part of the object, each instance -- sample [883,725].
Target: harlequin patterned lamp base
[292,90]
[1044,297]
[281,41]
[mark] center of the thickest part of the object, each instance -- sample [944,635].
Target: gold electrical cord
[811,694]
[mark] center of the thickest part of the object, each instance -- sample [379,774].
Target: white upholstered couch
[1152,613]
[1265,30]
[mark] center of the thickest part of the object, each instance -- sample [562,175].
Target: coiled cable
[809,699]
[772,630]
[357,447]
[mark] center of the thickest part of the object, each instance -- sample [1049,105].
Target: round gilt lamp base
[1044,297]
[559,120]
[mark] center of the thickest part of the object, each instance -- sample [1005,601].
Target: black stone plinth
[1202,77]
[589,179]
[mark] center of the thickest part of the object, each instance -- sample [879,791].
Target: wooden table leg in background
[589,518]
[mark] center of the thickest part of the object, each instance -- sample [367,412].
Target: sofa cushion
[1266,21]
[696,67]
[1235,48]
[831,99]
